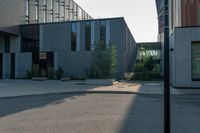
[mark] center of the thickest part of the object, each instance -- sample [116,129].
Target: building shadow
[145,115]
[12,105]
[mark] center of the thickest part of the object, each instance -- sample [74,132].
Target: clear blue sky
[140,15]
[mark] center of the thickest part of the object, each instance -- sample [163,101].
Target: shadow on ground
[145,115]
[13,105]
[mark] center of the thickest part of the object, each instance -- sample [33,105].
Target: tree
[104,62]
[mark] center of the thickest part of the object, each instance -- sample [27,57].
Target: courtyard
[59,107]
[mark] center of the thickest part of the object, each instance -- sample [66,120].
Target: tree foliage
[103,63]
[146,69]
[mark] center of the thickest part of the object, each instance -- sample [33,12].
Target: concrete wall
[57,37]
[23,62]
[1,44]
[180,58]
[15,42]
[6,65]
[73,64]
[12,13]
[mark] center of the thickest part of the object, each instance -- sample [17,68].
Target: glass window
[83,15]
[7,44]
[68,9]
[37,10]
[103,33]
[57,11]
[195,61]
[62,10]
[88,36]
[27,7]
[27,11]
[71,10]
[51,10]
[73,36]
[79,13]
[45,10]
[75,11]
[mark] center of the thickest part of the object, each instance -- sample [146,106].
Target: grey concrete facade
[29,27]
[181,56]
[56,38]
[14,13]
[20,12]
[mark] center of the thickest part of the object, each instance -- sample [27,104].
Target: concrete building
[184,18]
[52,34]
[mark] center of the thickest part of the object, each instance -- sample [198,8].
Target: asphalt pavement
[97,113]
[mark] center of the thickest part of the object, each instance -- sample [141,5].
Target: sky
[140,15]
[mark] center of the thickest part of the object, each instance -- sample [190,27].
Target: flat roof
[71,21]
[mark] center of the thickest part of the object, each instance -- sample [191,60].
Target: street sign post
[166,69]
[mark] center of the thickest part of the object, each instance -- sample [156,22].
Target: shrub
[50,73]
[33,72]
[103,63]
[59,73]
[146,69]
[29,74]
[146,76]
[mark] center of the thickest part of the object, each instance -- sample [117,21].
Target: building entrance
[12,67]
[46,64]
[1,65]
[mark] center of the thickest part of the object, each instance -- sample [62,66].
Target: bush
[50,73]
[29,74]
[146,69]
[33,72]
[146,76]
[59,73]
[103,63]
[139,67]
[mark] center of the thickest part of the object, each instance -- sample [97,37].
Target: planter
[39,78]
[65,79]
[101,81]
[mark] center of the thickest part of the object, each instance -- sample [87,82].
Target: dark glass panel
[88,36]
[73,36]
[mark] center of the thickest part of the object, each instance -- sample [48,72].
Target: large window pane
[88,36]
[27,11]
[103,33]
[73,36]
[7,44]
[37,11]
[195,60]
[45,11]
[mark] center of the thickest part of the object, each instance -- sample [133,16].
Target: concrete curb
[80,92]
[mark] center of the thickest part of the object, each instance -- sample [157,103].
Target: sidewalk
[13,88]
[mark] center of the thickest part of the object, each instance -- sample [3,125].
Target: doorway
[12,67]
[1,65]
[46,64]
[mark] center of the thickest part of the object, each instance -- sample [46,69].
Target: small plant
[29,74]
[51,73]
[59,73]
[33,72]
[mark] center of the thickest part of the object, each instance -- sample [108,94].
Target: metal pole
[166,69]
